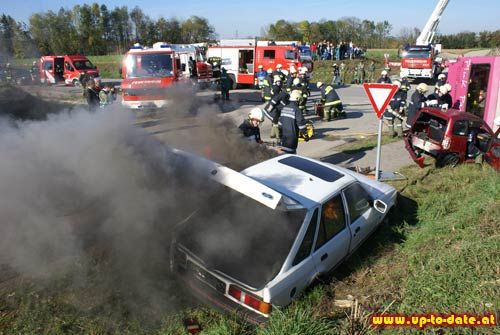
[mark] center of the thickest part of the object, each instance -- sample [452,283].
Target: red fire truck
[242,57]
[203,68]
[147,73]
[55,69]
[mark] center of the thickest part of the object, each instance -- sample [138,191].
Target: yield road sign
[380,95]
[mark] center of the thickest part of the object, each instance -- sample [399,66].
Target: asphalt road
[361,121]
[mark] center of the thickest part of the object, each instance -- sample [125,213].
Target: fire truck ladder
[427,34]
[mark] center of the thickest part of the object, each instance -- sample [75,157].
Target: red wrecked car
[452,137]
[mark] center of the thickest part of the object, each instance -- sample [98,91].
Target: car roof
[300,178]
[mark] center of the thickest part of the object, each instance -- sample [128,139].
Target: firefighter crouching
[332,105]
[393,115]
[292,123]
[300,86]
[250,126]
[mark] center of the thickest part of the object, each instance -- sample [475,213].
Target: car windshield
[83,65]
[149,65]
[240,237]
[417,53]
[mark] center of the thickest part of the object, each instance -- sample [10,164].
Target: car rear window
[313,168]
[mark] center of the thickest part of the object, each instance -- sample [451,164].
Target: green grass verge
[365,143]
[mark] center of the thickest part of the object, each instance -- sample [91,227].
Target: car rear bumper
[206,294]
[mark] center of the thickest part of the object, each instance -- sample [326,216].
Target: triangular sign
[380,95]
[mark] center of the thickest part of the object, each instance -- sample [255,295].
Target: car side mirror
[380,206]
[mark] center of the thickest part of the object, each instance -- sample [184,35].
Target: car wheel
[233,79]
[447,160]
[76,83]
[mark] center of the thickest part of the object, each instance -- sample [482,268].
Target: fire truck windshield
[149,65]
[417,53]
[83,65]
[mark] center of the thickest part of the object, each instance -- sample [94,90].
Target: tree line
[96,30]
[371,34]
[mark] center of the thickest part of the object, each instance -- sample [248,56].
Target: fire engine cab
[242,57]
[55,69]
[147,74]
[203,69]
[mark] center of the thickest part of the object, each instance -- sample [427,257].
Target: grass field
[438,253]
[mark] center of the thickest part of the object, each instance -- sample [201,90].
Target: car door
[362,217]
[301,271]
[333,236]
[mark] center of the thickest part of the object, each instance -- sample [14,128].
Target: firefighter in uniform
[393,114]
[355,75]
[342,73]
[266,86]
[8,73]
[335,74]
[273,108]
[331,102]
[250,126]
[370,72]
[225,84]
[92,95]
[292,74]
[259,77]
[361,69]
[279,72]
[298,86]
[34,73]
[384,78]
[444,98]
[417,101]
[441,80]
[292,123]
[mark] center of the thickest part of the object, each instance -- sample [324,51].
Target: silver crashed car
[271,229]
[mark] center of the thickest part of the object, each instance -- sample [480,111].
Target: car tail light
[446,143]
[249,300]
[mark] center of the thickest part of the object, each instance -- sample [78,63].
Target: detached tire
[447,160]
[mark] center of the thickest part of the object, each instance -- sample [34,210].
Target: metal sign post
[380,95]
[379,149]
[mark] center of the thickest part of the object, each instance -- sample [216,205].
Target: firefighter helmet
[277,78]
[285,72]
[422,87]
[303,69]
[296,82]
[334,65]
[443,89]
[319,84]
[279,66]
[292,69]
[261,66]
[384,73]
[256,114]
[34,62]
[448,87]
[441,76]
[397,83]
[296,95]
[269,70]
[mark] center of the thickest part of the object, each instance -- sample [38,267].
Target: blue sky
[248,17]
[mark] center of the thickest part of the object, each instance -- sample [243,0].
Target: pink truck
[475,85]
